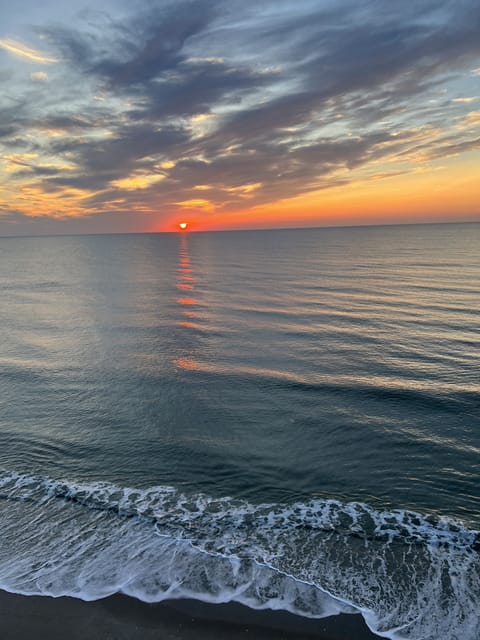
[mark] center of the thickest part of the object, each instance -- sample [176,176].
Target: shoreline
[120,617]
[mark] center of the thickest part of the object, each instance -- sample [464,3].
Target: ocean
[289,419]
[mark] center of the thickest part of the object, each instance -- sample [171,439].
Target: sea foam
[410,576]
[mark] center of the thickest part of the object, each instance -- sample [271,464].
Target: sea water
[286,418]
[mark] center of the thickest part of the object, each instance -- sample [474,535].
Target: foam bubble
[410,576]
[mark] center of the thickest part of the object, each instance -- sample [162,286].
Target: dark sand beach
[121,617]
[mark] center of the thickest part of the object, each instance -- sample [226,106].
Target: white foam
[410,576]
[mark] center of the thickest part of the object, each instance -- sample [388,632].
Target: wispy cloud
[21,50]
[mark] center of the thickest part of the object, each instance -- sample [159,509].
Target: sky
[233,114]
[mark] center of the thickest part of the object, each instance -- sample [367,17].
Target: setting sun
[183,225]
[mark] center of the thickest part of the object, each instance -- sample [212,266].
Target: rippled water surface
[320,389]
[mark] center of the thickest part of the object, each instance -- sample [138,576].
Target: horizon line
[243,230]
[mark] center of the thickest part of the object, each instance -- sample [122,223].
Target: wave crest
[411,576]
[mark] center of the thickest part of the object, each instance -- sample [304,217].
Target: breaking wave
[410,576]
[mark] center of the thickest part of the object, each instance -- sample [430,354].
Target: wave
[410,576]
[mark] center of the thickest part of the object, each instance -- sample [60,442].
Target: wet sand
[122,618]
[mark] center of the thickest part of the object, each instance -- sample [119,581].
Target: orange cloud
[21,50]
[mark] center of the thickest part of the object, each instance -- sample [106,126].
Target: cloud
[217,96]
[139,180]
[15,222]
[24,52]
[39,76]
[470,120]
[133,52]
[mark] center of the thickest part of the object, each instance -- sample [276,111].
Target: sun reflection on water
[185,282]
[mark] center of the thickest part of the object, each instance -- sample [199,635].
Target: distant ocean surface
[289,419]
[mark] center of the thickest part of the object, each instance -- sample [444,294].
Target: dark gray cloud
[198,87]
[130,53]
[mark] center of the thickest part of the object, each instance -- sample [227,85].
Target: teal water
[285,418]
